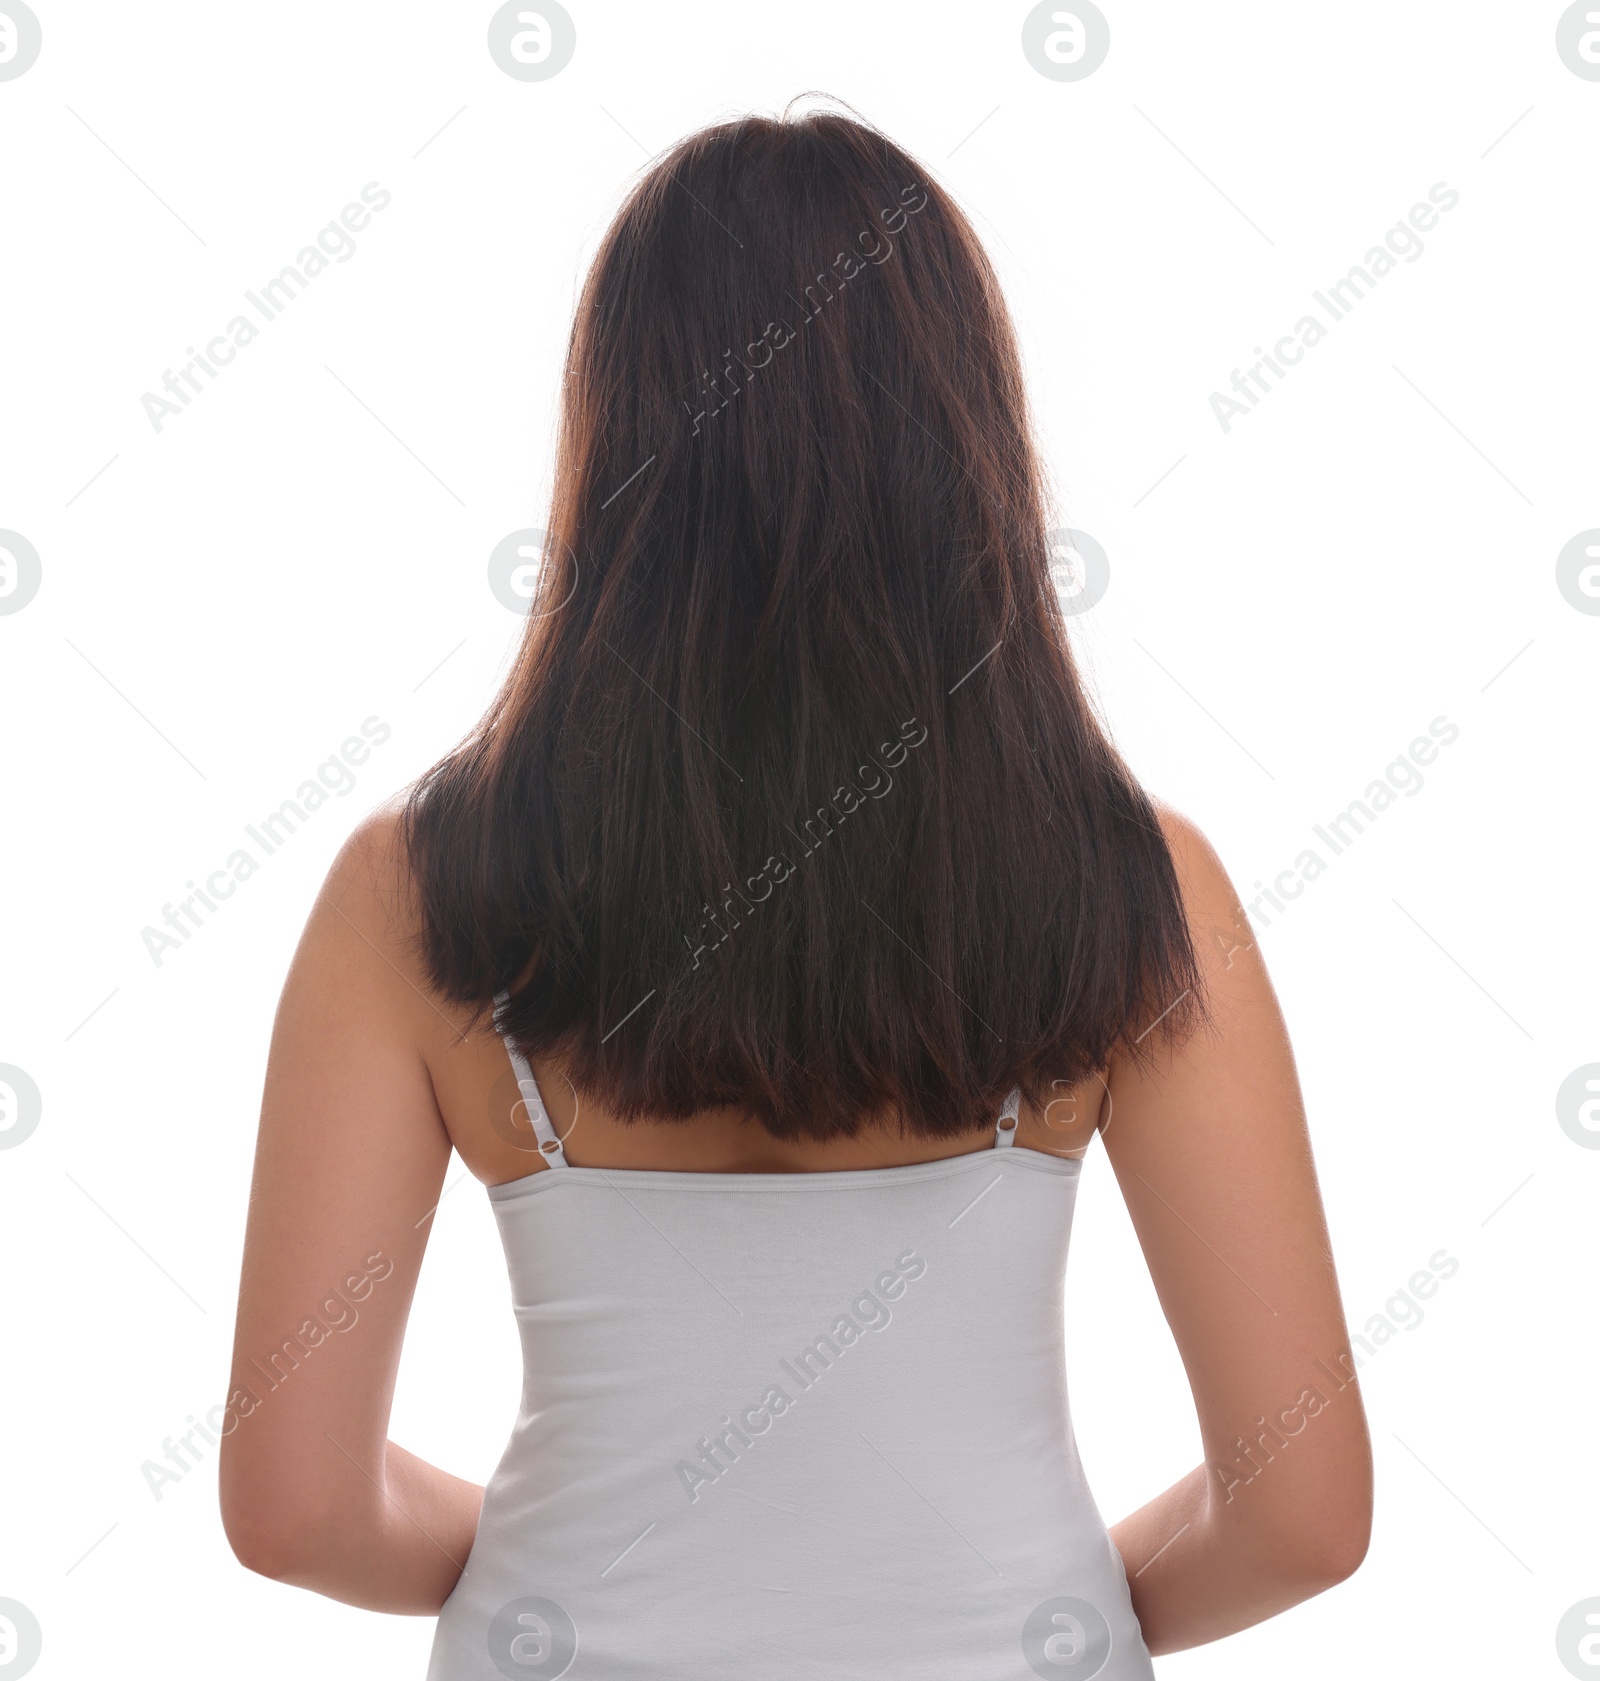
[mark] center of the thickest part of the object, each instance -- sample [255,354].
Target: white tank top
[790,1426]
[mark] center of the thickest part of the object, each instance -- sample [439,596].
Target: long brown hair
[793,800]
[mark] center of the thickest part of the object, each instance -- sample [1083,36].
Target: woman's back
[810,1419]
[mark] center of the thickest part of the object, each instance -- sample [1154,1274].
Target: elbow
[1331,1540]
[1313,1537]
[262,1551]
[1329,1555]
[269,1544]
[1341,1530]
[271,1535]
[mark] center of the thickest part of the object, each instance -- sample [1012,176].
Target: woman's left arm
[350,1158]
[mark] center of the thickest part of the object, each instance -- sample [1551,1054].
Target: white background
[1289,606]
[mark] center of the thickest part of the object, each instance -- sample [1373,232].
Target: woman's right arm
[1212,1155]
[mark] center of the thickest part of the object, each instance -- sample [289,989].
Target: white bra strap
[549,1143]
[1005,1129]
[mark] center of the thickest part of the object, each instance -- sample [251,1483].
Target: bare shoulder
[361,940]
[1201,873]
[1218,925]
[372,862]
[369,884]
[1218,929]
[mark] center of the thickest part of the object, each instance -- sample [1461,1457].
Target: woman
[774,951]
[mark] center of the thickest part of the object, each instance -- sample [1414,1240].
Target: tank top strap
[1005,1128]
[549,1142]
